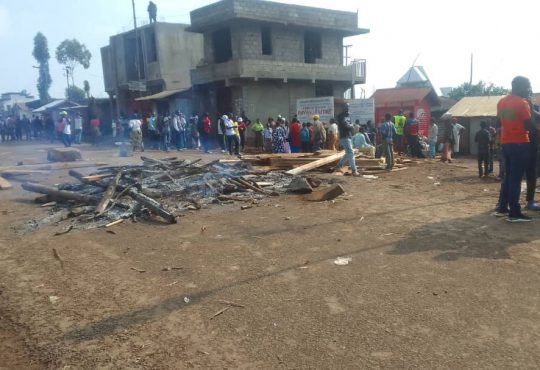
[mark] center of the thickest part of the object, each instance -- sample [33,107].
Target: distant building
[470,111]
[11,100]
[261,56]
[166,54]
[419,100]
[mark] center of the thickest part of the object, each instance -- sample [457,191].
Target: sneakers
[520,218]
[533,206]
[500,214]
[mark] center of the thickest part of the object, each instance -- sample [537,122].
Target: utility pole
[136,41]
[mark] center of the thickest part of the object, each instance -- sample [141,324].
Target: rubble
[165,188]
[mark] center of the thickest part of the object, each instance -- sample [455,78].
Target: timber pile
[297,163]
[163,188]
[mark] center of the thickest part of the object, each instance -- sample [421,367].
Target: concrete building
[10,100]
[166,54]
[261,56]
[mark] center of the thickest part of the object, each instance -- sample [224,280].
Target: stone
[300,185]
[63,155]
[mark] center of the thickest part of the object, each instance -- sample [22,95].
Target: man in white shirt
[77,128]
[66,131]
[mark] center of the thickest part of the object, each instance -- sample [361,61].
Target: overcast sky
[439,35]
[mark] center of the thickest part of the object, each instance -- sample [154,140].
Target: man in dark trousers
[531,172]
[152,11]
[483,138]
[514,113]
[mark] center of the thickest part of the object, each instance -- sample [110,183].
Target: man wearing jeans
[345,128]
[388,132]
[514,113]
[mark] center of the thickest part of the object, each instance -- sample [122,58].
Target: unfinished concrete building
[261,56]
[159,62]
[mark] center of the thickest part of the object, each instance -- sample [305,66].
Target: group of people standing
[169,130]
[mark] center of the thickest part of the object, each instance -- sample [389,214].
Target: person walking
[514,113]
[136,135]
[433,134]
[345,128]
[388,131]
[483,138]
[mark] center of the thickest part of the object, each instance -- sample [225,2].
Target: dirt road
[435,282]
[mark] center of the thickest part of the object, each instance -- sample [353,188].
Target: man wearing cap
[514,113]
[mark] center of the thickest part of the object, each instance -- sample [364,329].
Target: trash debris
[187,300]
[232,304]
[243,208]
[171,268]
[342,261]
[437,183]
[220,312]
[173,283]
[53,299]
[370,177]
[431,178]
[138,270]
[57,257]
[64,232]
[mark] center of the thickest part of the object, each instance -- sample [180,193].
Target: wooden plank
[22,172]
[52,167]
[4,184]
[97,177]
[108,194]
[60,194]
[325,194]
[319,163]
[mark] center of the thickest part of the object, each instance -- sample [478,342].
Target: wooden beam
[108,194]
[318,163]
[60,194]
[4,184]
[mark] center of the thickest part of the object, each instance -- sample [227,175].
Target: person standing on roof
[152,11]
[399,124]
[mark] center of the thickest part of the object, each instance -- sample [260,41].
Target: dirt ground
[435,281]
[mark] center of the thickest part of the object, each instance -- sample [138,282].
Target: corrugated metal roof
[476,106]
[404,96]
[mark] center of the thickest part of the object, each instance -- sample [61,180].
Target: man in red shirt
[294,136]
[514,113]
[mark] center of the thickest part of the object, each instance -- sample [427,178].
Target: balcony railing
[255,68]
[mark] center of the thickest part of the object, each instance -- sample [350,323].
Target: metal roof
[476,106]
[162,95]
[404,96]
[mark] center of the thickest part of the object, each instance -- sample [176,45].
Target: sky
[440,36]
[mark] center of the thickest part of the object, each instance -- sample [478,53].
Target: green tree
[42,56]
[87,89]
[479,89]
[75,94]
[72,53]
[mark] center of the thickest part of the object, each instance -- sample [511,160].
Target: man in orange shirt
[514,113]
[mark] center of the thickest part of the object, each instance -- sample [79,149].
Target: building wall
[287,44]
[178,52]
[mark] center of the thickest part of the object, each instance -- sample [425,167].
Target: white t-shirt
[67,127]
[333,129]
[135,124]
[77,123]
